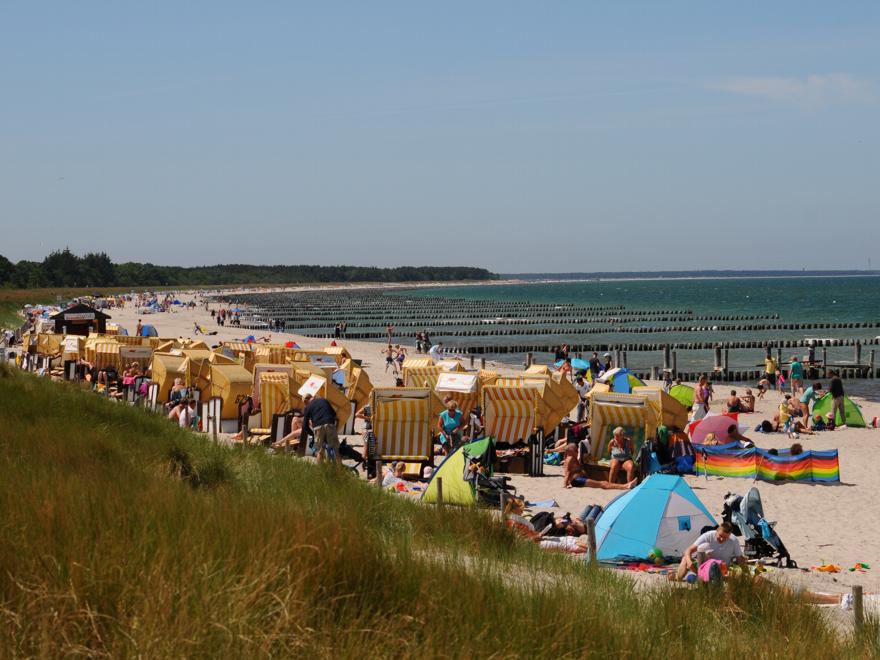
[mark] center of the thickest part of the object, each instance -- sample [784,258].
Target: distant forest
[65,269]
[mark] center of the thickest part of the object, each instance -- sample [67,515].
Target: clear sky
[519,136]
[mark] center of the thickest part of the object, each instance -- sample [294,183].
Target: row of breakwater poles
[815,362]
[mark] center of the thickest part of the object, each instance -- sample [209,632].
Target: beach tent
[260,369]
[164,368]
[620,380]
[459,482]
[684,394]
[229,382]
[149,331]
[464,388]
[487,377]
[662,512]
[639,415]
[538,370]
[853,413]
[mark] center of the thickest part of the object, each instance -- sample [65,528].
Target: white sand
[837,524]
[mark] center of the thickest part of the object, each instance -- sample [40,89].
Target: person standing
[810,395]
[595,366]
[390,331]
[837,399]
[796,375]
[770,369]
[140,327]
[701,399]
[320,418]
[583,388]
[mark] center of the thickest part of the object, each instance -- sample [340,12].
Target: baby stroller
[746,514]
[489,489]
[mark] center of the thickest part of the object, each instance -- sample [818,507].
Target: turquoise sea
[793,299]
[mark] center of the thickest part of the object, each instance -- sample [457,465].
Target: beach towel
[543,504]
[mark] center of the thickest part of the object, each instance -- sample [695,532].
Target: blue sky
[519,136]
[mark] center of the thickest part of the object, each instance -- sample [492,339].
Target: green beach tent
[684,394]
[853,413]
[458,481]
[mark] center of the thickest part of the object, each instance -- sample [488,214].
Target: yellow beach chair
[403,422]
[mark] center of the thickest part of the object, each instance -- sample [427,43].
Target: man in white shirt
[583,388]
[717,544]
[434,352]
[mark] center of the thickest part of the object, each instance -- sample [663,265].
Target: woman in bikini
[620,448]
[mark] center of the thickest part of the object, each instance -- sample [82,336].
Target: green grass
[123,536]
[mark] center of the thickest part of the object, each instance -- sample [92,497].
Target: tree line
[62,268]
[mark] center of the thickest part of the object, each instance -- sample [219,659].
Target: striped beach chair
[107,354]
[638,414]
[274,402]
[511,416]
[403,423]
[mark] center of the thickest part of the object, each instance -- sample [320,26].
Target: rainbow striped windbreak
[754,463]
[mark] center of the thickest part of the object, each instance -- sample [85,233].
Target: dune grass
[124,536]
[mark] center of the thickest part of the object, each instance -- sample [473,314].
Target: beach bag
[685,464]
[554,458]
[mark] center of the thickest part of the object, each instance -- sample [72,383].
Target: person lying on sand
[514,518]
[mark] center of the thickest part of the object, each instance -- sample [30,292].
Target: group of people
[223,315]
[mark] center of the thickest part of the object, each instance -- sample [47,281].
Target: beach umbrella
[576,363]
[713,423]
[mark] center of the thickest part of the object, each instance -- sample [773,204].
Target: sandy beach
[819,524]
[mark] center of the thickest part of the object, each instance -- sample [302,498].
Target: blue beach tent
[620,380]
[149,331]
[662,512]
